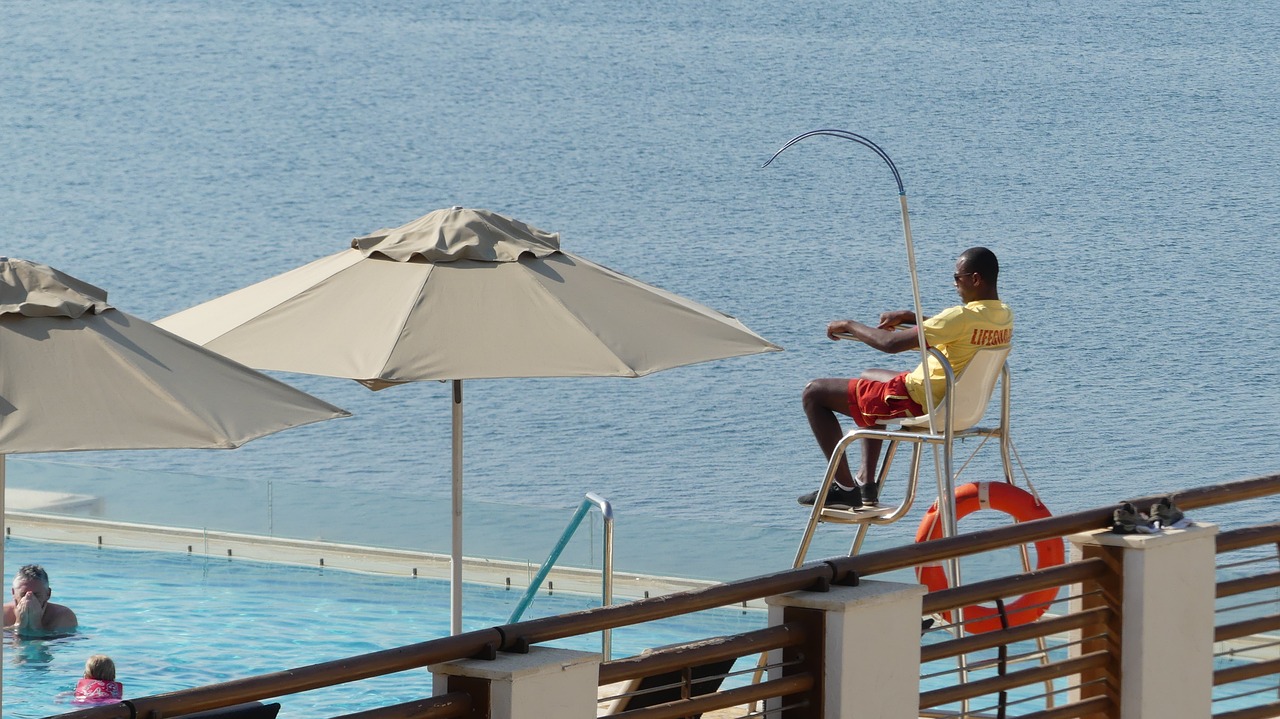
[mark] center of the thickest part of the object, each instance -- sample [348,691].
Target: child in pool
[99,685]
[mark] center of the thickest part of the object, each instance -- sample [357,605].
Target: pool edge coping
[333,555]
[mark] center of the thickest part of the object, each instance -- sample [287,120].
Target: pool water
[174,621]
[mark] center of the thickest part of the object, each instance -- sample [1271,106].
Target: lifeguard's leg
[823,398]
[871,447]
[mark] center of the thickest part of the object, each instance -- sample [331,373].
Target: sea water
[1121,158]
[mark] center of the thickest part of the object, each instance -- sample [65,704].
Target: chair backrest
[972,390]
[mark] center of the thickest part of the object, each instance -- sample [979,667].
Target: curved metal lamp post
[947,497]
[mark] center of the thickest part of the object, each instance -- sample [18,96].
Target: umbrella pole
[455,556]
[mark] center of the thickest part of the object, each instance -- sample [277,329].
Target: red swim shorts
[871,400]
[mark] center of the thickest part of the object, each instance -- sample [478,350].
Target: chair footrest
[853,516]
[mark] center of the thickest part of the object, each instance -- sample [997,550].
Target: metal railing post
[606,590]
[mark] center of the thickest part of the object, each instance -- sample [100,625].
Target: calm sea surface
[1121,158]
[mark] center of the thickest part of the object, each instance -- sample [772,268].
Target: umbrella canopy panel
[112,381]
[77,374]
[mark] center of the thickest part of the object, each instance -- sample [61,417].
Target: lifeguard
[957,332]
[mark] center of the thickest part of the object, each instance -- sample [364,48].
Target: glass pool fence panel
[645,543]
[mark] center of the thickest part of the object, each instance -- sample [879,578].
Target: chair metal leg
[857,539]
[815,515]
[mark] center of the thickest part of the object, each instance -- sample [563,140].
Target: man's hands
[890,320]
[28,611]
[842,327]
[886,337]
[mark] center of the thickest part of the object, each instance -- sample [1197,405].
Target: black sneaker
[1128,520]
[837,498]
[870,493]
[1166,515]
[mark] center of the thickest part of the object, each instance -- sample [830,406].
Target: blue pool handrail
[606,592]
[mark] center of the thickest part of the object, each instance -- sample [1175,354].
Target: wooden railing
[1029,644]
[797,687]
[1256,635]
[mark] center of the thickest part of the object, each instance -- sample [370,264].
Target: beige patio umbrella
[78,374]
[461,294]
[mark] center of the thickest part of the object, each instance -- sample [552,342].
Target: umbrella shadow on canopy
[461,294]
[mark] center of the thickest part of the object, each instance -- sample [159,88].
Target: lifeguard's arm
[891,341]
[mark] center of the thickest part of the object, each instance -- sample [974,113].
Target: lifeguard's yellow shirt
[958,333]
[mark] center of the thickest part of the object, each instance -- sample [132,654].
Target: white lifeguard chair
[962,408]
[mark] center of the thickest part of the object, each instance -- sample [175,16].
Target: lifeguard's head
[976,273]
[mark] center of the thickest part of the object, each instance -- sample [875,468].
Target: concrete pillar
[1165,591]
[871,649]
[546,682]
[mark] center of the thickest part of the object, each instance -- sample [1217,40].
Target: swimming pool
[173,621]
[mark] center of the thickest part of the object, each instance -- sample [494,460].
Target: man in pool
[31,613]
[958,332]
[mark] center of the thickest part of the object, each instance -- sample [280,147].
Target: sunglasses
[958,275]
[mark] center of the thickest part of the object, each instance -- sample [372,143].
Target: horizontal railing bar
[1022,677]
[1035,655]
[292,681]
[700,652]
[444,706]
[1242,653]
[1083,708]
[1247,628]
[1251,692]
[1251,670]
[1248,537]
[1025,632]
[1266,602]
[1264,559]
[1047,528]
[1010,703]
[1016,585]
[586,621]
[784,686]
[1232,587]
[1266,711]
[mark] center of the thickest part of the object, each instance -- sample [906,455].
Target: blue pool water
[173,621]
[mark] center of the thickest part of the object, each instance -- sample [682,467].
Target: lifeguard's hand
[839,327]
[890,320]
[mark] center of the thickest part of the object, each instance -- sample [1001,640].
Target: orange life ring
[1022,506]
